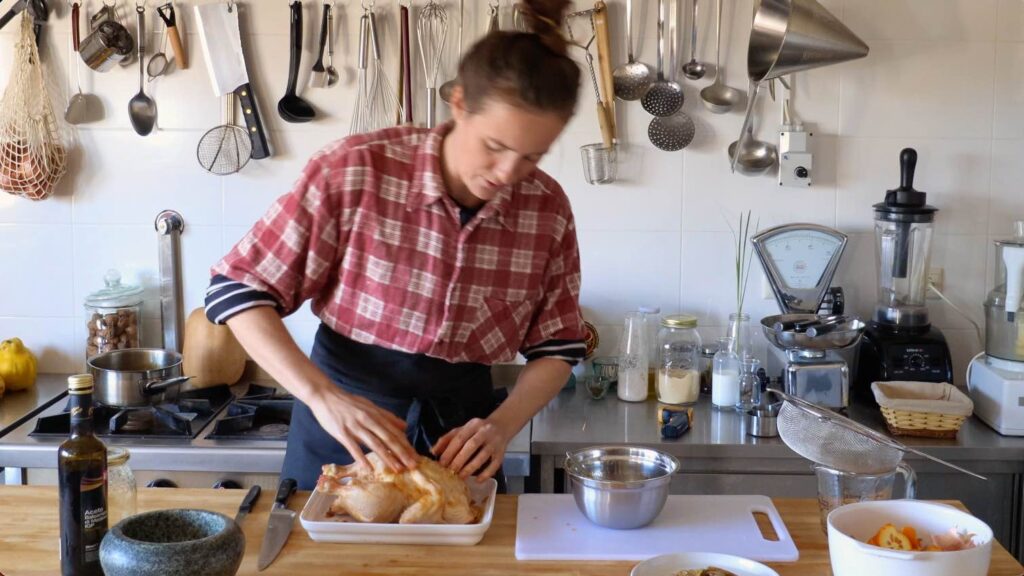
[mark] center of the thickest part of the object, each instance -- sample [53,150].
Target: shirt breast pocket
[500,328]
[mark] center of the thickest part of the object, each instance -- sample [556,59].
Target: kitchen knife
[221,40]
[279,526]
[247,503]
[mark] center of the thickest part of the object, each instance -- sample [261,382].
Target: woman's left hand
[476,448]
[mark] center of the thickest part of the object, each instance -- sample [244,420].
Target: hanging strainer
[827,438]
[227,148]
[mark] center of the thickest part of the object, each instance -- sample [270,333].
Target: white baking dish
[850,526]
[322,528]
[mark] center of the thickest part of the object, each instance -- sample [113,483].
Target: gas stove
[262,413]
[185,416]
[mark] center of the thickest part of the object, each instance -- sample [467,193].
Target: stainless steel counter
[17,407]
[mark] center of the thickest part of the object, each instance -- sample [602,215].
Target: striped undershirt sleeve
[226,298]
[571,351]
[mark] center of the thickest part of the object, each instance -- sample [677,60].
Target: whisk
[384,106]
[431,31]
[361,114]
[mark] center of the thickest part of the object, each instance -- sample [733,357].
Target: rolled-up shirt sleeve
[556,330]
[287,257]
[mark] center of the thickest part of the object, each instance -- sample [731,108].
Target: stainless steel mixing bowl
[620,487]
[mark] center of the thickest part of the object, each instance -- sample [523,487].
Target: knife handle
[253,123]
[250,499]
[179,49]
[284,491]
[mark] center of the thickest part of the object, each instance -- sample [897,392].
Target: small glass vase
[739,332]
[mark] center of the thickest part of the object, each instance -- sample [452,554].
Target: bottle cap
[80,384]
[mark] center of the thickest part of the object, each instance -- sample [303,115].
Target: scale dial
[802,256]
[799,260]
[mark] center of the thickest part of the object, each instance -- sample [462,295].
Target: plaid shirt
[371,236]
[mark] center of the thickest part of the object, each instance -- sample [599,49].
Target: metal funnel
[795,35]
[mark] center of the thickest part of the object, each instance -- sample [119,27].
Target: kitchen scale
[800,261]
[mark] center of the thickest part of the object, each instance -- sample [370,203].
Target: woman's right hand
[355,422]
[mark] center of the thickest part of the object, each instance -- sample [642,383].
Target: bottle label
[83,518]
[94,512]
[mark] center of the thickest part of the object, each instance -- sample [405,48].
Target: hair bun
[545,19]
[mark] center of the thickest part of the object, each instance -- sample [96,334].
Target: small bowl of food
[700,564]
[907,538]
[621,487]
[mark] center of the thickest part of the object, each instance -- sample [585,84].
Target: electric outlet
[936,276]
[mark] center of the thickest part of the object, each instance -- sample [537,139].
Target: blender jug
[1004,314]
[837,488]
[903,234]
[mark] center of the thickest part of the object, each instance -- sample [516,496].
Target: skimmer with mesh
[832,440]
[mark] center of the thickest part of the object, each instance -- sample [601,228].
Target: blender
[900,343]
[996,378]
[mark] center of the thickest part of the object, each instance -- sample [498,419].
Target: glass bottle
[651,325]
[725,377]
[633,363]
[739,331]
[678,360]
[748,382]
[707,363]
[82,480]
[121,488]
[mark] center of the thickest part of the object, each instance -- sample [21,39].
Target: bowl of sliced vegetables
[907,538]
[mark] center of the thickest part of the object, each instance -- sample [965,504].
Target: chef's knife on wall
[279,527]
[222,47]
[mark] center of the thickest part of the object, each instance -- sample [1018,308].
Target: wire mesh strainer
[832,440]
[225,149]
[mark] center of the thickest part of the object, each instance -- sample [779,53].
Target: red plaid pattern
[370,235]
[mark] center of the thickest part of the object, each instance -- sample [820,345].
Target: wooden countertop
[29,541]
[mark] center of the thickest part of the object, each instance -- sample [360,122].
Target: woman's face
[498,145]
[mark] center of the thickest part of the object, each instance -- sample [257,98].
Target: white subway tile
[904,90]
[37,270]
[1006,204]
[52,340]
[964,259]
[1010,21]
[1008,122]
[938,20]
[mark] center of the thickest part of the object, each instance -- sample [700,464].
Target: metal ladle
[142,108]
[632,79]
[694,70]
[332,72]
[750,156]
[719,98]
[664,97]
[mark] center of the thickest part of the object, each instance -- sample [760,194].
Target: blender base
[886,354]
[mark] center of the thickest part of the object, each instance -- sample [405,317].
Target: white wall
[943,76]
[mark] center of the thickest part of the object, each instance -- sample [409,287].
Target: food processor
[811,352]
[996,378]
[900,343]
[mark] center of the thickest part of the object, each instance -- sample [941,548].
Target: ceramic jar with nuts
[113,316]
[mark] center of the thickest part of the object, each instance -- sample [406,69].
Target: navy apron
[432,395]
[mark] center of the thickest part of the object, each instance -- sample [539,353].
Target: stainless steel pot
[135,377]
[621,487]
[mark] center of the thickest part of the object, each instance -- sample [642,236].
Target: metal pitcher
[108,44]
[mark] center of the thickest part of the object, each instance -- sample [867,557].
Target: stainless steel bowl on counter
[621,487]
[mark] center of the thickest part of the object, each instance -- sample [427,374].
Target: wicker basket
[922,408]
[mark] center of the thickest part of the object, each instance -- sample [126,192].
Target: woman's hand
[355,422]
[479,445]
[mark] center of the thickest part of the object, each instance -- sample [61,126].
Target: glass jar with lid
[678,360]
[113,316]
[121,489]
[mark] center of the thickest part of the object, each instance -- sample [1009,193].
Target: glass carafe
[725,377]
[633,362]
[836,488]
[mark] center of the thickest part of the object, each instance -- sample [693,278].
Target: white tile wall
[943,76]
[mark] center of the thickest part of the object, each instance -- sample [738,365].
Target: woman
[428,256]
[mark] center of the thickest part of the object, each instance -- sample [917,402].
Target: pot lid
[905,204]
[114,294]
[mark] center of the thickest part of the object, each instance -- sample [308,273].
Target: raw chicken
[430,494]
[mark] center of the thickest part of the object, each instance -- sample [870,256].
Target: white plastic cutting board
[550,527]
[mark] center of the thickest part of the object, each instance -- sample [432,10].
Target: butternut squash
[211,354]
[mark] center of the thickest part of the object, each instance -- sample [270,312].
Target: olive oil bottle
[82,473]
